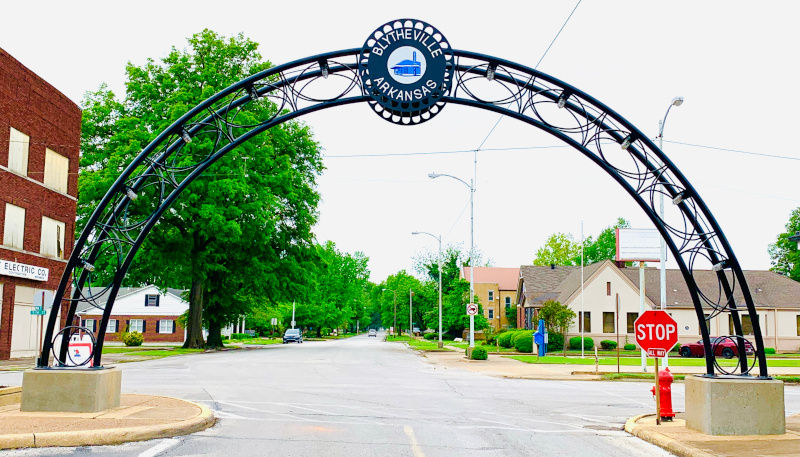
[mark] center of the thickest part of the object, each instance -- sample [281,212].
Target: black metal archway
[159,174]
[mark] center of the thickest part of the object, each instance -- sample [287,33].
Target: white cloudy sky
[734,62]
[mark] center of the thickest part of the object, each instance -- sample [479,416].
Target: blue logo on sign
[408,68]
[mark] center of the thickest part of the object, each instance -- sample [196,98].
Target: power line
[460,151]
[536,67]
[734,150]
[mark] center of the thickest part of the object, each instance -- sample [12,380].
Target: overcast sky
[734,62]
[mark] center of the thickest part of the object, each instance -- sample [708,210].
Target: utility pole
[410,313]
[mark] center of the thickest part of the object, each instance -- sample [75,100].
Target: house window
[491,295]
[165,326]
[585,324]
[18,152]
[631,319]
[14,228]
[491,313]
[90,324]
[608,288]
[52,241]
[136,325]
[608,322]
[151,300]
[508,302]
[112,326]
[747,326]
[56,171]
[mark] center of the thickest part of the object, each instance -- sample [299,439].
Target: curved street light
[471,248]
[439,239]
[677,101]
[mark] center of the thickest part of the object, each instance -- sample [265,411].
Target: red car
[724,347]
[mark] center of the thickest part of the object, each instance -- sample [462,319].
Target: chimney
[415,56]
[552,266]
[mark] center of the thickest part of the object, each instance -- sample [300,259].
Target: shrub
[431,336]
[608,344]
[520,334]
[447,337]
[506,339]
[555,342]
[676,349]
[769,350]
[479,353]
[240,336]
[524,342]
[629,347]
[132,338]
[575,342]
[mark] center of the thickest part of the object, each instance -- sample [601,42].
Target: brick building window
[91,324]
[14,228]
[491,295]
[56,171]
[491,313]
[608,322]
[165,326]
[136,325]
[52,241]
[18,152]
[508,302]
[113,326]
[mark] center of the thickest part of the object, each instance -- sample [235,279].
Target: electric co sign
[656,332]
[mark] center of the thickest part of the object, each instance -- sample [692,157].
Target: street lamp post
[471,248]
[410,313]
[394,303]
[439,239]
[677,101]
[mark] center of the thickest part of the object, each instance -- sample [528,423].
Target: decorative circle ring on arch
[406,66]
[68,358]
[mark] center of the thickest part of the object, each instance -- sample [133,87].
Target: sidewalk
[672,436]
[138,418]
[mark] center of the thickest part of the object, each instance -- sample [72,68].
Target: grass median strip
[634,361]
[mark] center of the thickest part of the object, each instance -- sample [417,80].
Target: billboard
[634,245]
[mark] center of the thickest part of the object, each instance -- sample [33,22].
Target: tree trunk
[194,324]
[319,331]
[214,335]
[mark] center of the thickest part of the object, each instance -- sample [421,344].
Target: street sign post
[38,311]
[657,334]
[472,309]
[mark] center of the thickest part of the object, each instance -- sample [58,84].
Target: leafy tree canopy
[562,249]
[784,255]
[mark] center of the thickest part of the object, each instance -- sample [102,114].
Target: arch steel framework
[158,175]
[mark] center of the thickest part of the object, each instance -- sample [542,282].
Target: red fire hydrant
[665,392]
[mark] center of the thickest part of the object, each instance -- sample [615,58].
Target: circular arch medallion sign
[406,66]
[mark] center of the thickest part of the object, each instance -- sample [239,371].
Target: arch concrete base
[735,406]
[71,390]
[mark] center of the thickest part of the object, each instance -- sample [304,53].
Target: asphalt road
[364,397]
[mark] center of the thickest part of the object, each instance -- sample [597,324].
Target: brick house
[40,132]
[496,289]
[146,310]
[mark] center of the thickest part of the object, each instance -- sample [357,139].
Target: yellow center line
[414,444]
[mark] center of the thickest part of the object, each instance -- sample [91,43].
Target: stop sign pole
[656,333]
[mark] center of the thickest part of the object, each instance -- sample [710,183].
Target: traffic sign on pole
[472,309]
[656,332]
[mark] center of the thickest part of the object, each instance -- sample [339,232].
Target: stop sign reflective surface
[656,331]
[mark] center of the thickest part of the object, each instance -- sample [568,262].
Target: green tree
[557,317]
[784,255]
[237,235]
[559,249]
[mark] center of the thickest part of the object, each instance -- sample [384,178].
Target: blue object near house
[408,67]
[540,338]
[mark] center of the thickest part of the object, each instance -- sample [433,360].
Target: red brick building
[40,132]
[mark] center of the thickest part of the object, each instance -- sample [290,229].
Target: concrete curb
[102,437]
[662,441]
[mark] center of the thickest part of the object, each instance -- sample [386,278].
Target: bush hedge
[524,342]
[629,347]
[506,339]
[132,338]
[479,353]
[240,336]
[431,336]
[769,350]
[608,344]
[677,348]
[555,342]
[575,342]
[520,334]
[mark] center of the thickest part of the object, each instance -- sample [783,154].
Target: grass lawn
[259,341]
[634,361]
[427,345]
[149,352]
[396,338]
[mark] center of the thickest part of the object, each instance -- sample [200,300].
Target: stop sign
[656,332]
